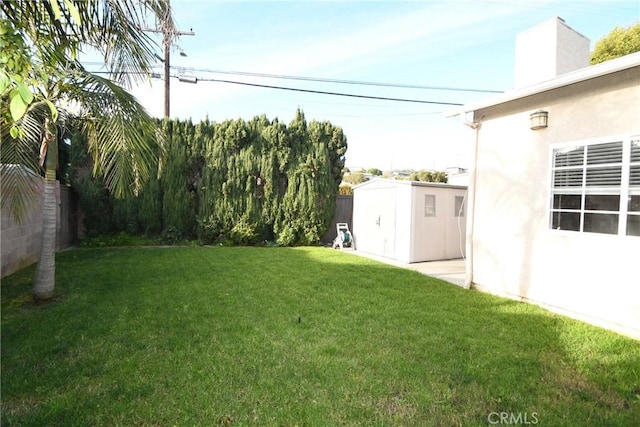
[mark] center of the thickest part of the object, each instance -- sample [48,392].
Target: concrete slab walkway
[452,271]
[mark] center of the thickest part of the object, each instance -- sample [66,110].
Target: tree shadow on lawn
[525,359]
[296,335]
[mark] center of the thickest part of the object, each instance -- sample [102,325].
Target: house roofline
[581,75]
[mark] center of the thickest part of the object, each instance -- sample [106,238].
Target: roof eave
[583,74]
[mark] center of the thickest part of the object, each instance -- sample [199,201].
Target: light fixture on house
[539,119]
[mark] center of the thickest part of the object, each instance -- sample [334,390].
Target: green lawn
[295,336]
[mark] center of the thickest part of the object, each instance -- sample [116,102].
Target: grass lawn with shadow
[294,336]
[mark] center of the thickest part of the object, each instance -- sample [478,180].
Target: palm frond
[20,190]
[19,169]
[127,51]
[112,27]
[37,19]
[19,166]
[18,175]
[118,127]
[120,132]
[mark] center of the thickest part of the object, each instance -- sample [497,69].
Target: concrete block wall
[20,242]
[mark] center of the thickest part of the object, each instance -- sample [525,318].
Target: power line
[322,92]
[342,81]
[327,80]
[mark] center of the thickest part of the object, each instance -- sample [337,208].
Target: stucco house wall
[590,276]
[547,50]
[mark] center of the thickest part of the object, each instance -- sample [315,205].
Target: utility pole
[167,49]
[166,44]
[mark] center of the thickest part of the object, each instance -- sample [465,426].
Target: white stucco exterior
[390,220]
[548,50]
[590,276]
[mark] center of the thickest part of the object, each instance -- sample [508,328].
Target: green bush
[235,182]
[119,239]
[208,229]
[286,237]
[244,233]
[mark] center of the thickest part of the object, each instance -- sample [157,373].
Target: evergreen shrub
[236,182]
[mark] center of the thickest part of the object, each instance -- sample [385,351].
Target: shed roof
[400,182]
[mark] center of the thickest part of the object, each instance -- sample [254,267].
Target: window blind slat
[635,151]
[634,176]
[609,176]
[604,153]
[569,157]
[568,178]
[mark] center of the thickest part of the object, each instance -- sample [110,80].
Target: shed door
[387,224]
[375,216]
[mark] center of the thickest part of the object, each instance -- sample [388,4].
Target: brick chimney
[548,50]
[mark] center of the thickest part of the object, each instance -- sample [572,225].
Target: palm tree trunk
[45,274]
[44,283]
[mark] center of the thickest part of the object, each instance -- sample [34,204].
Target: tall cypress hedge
[238,182]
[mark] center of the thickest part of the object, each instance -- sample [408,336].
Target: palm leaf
[112,27]
[19,160]
[120,132]
[127,51]
[18,175]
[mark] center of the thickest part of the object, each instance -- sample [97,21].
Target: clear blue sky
[452,43]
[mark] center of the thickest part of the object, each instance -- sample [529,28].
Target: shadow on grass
[295,335]
[575,369]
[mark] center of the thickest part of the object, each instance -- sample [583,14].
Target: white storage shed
[409,221]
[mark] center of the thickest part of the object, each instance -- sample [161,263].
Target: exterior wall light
[539,119]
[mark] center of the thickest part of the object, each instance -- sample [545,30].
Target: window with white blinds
[596,187]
